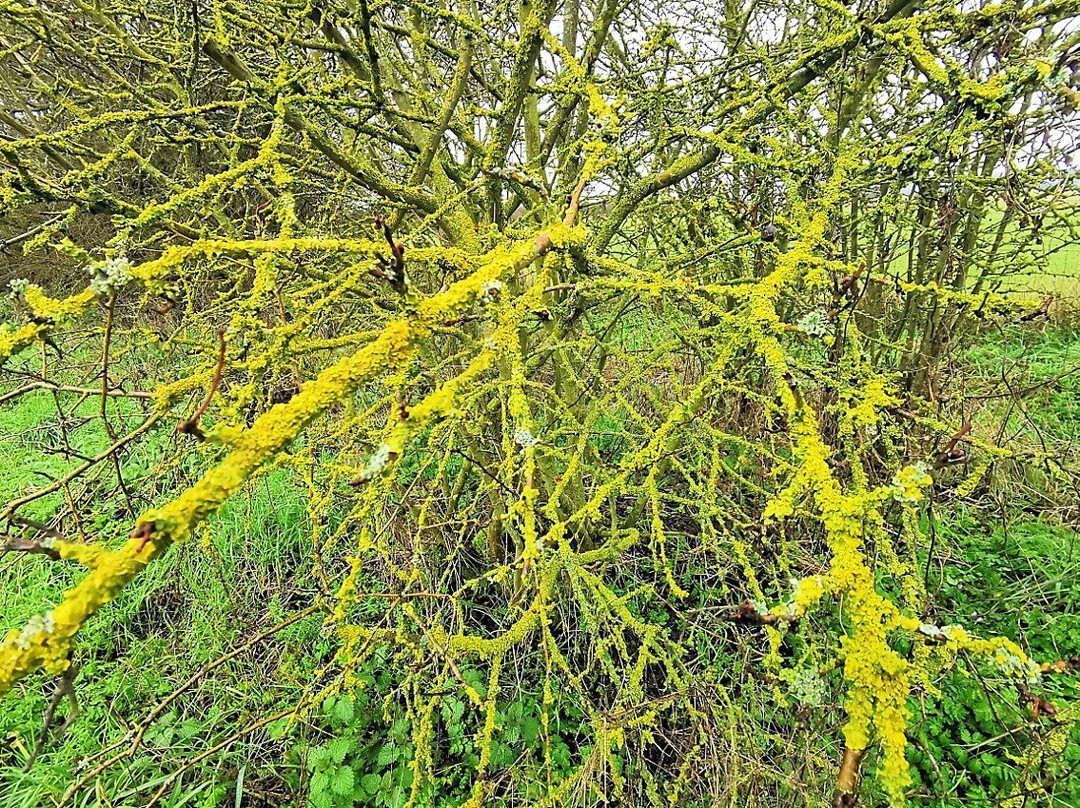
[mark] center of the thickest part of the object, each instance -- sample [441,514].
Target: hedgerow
[611,366]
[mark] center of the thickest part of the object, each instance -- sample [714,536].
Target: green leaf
[320,783]
[453,709]
[531,729]
[370,783]
[344,781]
[501,755]
[396,798]
[343,710]
[339,748]
[318,757]
[387,755]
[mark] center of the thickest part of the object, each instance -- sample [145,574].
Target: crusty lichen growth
[47,313]
[559,431]
[879,679]
[45,644]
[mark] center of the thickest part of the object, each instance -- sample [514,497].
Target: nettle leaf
[339,748]
[278,728]
[388,753]
[319,757]
[344,710]
[501,755]
[320,783]
[343,781]
[530,729]
[396,797]
[371,783]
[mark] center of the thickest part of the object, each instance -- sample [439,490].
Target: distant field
[1056,271]
[1060,273]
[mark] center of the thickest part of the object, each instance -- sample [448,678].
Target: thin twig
[45,384]
[236,736]
[191,425]
[17,544]
[64,687]
[15,504]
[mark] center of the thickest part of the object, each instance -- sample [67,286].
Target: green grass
[246,572]
[1017,580]
[1059,275]
[1042,369]
[1056,271]
[35,431]
[1007,563]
